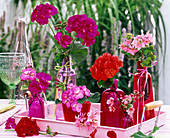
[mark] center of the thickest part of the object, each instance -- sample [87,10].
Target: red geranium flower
[27,127]
[106,66]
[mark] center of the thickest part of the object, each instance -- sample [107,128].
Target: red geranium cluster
[85,28]
[42,13]
[106,66]
[27,127]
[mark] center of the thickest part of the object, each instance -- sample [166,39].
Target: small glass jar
[126,121]
[36,106]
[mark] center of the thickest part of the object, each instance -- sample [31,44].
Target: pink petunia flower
[63,39]
[28,74]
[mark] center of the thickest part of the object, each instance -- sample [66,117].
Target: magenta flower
[34,87]
[28,74]
[63,39]
[10,123]
[42,13]
[85,28]
[44,80]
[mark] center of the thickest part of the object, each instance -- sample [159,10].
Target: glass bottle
[107,117]
[143,84]
[22,47]
[126,121]
[36,106]
[66,74]
[22,42]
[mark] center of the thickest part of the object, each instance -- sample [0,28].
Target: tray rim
[162,113]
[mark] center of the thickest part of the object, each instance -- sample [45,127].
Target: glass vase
[143,84]
[23,47]
[126,121]
[36,106]
[69,114]
[66,74]
[107,117]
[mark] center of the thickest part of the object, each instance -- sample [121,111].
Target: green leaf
[154,130]
[105,84]
[57,101]
[94,97]
[139,134]
[79,52]
[129,105]
[81,101]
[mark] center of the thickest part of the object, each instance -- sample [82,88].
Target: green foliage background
[108,14]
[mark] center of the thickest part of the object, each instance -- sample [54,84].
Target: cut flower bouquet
[139,48]
[84,27]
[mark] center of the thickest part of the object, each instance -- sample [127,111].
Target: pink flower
[34,87]
[76,107]
[148,38]
[42,13]
[130,111]
[78,92]
[111,108]
[44,80]
[85,90]
[72,94]
[132,51]
[66,99]
[90,121]
[63,39]
[123,47]
[28,74]
[110,101]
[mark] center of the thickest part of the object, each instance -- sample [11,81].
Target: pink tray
[69,128]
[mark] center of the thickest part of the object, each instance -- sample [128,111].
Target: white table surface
[163,132]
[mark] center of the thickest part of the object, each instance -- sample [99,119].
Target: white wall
[164,79]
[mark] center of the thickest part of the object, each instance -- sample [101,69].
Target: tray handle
[150,106]
[153,105]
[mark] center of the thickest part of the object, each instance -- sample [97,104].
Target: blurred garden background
[114,18]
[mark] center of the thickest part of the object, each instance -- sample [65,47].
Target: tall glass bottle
[22,47]
[66,74]
[142,83]
[22,42]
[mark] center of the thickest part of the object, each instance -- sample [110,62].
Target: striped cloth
[10,111]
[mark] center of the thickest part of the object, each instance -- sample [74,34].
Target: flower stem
[51,29]
[9,130]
